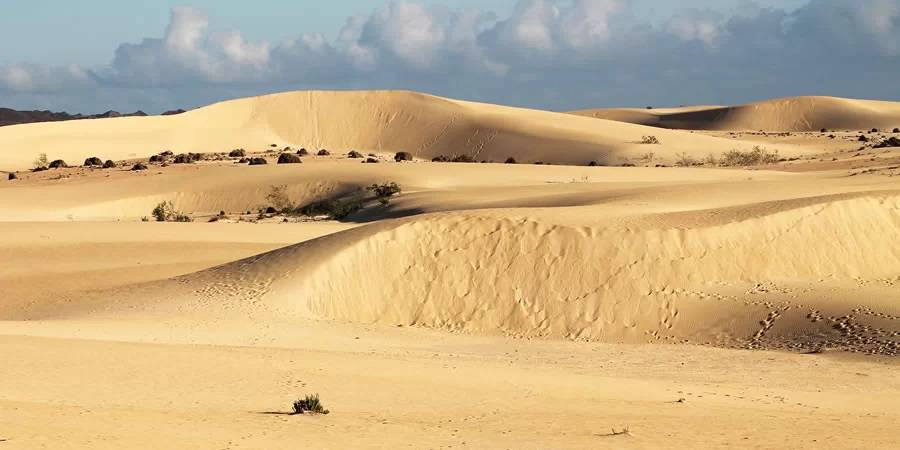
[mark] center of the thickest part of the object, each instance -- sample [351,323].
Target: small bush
[683,160]
[757,156]
[258,161]
[165,212]
[139,166]
[385,191]
[323,152]
[649,140]
[109,164]
[511,160]
[58,164]
[354,154]
[279,198]
[336,208]
[289,158]
[403,156]
[457,159]
[237,153]
[93,161]
[309,405]
[40,162]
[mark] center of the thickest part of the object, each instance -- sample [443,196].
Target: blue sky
[555,54]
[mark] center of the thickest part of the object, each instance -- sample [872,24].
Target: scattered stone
[289,158]
[93,161]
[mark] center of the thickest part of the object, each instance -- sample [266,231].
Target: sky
[552,54]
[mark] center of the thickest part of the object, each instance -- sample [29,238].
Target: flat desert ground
[655,299]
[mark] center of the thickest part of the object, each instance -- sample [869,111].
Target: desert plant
[278,198]
[403,156]
[710,160]
[237,153]
[648,157]
[757,156]
[309,405]
[385,191]
[289,158]
[166,212]
[649,140]
[456,158]
[93,161]
[188,158]
[684,160]
[40,162]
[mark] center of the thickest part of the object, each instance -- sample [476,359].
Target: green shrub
[385,191]
[309,405]
[649,140]
[683,160]
[757,156]
[165,212]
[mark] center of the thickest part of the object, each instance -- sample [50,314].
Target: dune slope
[786,114]
[387,121]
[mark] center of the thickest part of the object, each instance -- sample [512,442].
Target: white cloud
[549,53]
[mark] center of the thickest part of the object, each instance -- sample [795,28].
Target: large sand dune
[387,121]
[786,114]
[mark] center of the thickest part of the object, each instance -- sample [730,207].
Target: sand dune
[379,121]
[786,114]
[486,306]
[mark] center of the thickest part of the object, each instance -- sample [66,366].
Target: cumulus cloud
[547,53]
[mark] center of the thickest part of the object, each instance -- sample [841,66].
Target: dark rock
[13,176]
[289,158]
[93,161]
[139,166]
[323,152]
[354,154]
[109,164]
[58,164]
[258,161]
[403,156]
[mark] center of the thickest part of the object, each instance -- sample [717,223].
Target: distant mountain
[13,117]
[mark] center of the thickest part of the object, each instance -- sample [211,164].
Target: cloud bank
[546,53]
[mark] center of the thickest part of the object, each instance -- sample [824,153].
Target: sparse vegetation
[310,405]
[278,198]
[649,140]
[755,157]
[456,159]
[166,212]
[403,156]
[383,192]
[684,160]
[289,158]
[40,162]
